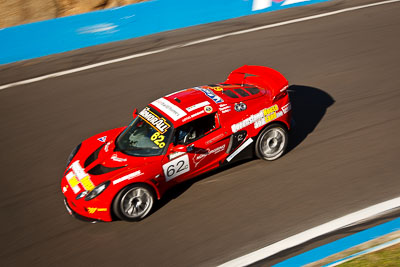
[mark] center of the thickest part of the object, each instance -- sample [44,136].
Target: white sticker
[78,170]
[239,149]
[114,157]
[286,108]
[199,105]
[193,115]
[259,119]
[128,177]
[176,167]
[168,108]
[73,182]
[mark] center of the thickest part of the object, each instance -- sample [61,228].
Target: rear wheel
[134,202]
[271,142]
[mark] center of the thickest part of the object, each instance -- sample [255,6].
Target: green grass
[387,257]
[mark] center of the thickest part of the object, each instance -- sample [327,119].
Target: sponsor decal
[102,139]
[210,94]
[168,108]
[259,119]
[176,167]
[241,137]
[246,122]
[208,109]
[128,177]
[114,157]
[198,105]
[83,177]
[240,107]
[158,123]
[212,140]
[93,210]
[217,88]
[199,158]
[158,139]
[106,146]
[286,108]
[272,114]
[224,108]
[73,182]
[193,115]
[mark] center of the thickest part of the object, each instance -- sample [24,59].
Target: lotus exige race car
[122,172]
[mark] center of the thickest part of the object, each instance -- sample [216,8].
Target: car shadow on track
[309,106]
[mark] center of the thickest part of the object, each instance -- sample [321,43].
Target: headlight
[97,190]
[82,194]
[73,153]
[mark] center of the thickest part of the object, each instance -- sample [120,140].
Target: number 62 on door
[176,167]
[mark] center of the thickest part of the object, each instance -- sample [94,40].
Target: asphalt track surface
[344,152]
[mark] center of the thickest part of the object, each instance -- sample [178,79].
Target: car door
[198,146]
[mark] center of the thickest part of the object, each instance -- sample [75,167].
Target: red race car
[122,172]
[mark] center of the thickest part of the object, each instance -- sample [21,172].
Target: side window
[196,129]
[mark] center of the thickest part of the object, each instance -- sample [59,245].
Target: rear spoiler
[260,76]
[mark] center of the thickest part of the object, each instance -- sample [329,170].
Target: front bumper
[78,216]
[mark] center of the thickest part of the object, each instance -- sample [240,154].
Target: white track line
[312,233]
[61,73]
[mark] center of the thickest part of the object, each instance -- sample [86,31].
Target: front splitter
[78,216]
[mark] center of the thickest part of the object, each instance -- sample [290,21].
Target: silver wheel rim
[136,203]
[273,143]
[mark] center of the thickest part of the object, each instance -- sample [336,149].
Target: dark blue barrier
[69,33]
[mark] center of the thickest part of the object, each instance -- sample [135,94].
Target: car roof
[193,103]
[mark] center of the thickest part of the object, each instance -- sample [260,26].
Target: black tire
[134,202]
[272,142]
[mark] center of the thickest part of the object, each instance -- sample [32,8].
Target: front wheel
[134,202]
[271,142]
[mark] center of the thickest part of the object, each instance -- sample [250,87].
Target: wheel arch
[281,123]
[152,187]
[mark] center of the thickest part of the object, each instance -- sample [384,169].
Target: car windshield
[146,136]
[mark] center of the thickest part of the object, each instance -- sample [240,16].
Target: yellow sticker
[73,181]
[217,88]
[87,183]
[270,117]
[158,139]
[271,109]
[93,210]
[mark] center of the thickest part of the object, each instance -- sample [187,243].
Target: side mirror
[179,148]
[135,114]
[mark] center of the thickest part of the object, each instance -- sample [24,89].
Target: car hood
[98,160]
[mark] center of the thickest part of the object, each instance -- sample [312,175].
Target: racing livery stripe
[237,151]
